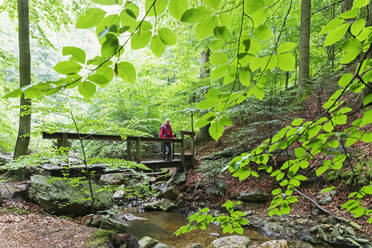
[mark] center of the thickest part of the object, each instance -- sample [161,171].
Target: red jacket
[166,132]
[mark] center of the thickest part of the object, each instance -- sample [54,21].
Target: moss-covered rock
[100,239]
[58,196]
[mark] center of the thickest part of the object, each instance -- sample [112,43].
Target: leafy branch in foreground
[231,223]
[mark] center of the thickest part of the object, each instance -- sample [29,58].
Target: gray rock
[161,245]
[170,193]
[326,198]
[60,197]
[115,225]
[274,244]
[194,245]
[214,234]
[12,190]
[231,242]
[178,177]
[114,179]
[254,196]
[299,244]
[147,242]
[163,204]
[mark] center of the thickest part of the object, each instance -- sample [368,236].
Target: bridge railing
[63,137]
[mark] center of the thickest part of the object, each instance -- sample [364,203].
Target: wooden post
[172,152]
[129,150]
[182,149]
[138,159]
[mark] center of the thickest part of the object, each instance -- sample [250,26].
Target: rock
[255,196]
[60,197]
[231,242]
[147,242]
[274,244]
[194,245]
[214,235]
[161,245]
[326,198]
[115,225]
[178,177]
[114,179]
[131,217]
[12,190]
[299,244]
[170,193]
[163,204]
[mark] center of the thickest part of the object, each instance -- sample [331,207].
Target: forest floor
[24,224]
[266,183]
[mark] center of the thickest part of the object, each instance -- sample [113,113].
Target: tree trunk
[304,65]
[346,5]
[369,15]
[23,138]
[203,135]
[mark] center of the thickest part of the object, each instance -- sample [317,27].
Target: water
[162,225]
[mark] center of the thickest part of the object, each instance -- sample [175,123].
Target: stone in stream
[274,244]
[60,197]
[170,193]
[148,242]
[231,242]
[163,205]
[115,225]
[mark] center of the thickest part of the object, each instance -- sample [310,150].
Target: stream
[161,226]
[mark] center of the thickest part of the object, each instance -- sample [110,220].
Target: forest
[186,123]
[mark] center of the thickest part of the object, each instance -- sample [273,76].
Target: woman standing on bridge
[166,133]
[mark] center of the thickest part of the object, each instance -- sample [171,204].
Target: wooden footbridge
[178,159]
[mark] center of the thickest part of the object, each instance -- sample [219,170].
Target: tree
[304,65]
[24,129]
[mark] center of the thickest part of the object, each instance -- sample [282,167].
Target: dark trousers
[166,150]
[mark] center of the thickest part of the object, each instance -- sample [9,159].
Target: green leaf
[350,50]
[177,8]
[251,6]
[220,32]
[333,143]
[216,129]
[205,120]
[206,27]
[76,53]
[216,45]
[277,191]
[90,18]
[328,189]
[106,71]
[219,72]
[219,58]
[262,32]
[157,46]
[337,34]
[258,92]
[14,93]
[287,62]
[349,14]
[212,3]
[141,39]
[259,17]
[286,47]
[245,78]
[297,122]
[67,67]
[167,36]
[128,20]
[195,15]
[367,137]
[357,27]
[367,100]
[108,2]
[360,3]
[127,72]
[157,9]
[87,89]
[110,46]
[225,19]
[321,170]
[345,79]
[99,79]
[332,25]
[300,152]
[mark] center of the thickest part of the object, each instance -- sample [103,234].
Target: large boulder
[231,242]
[274,244]
[58,196]
[148,242]
[170,193]
[254,196]
[114,179]
[162,205]
[178,177]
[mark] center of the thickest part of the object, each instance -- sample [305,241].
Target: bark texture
[23,138]
[304,65]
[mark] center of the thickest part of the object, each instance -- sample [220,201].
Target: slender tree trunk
[346,5]
[203,135]
[304,65]
[24,129]
[369,15]
[331,49]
